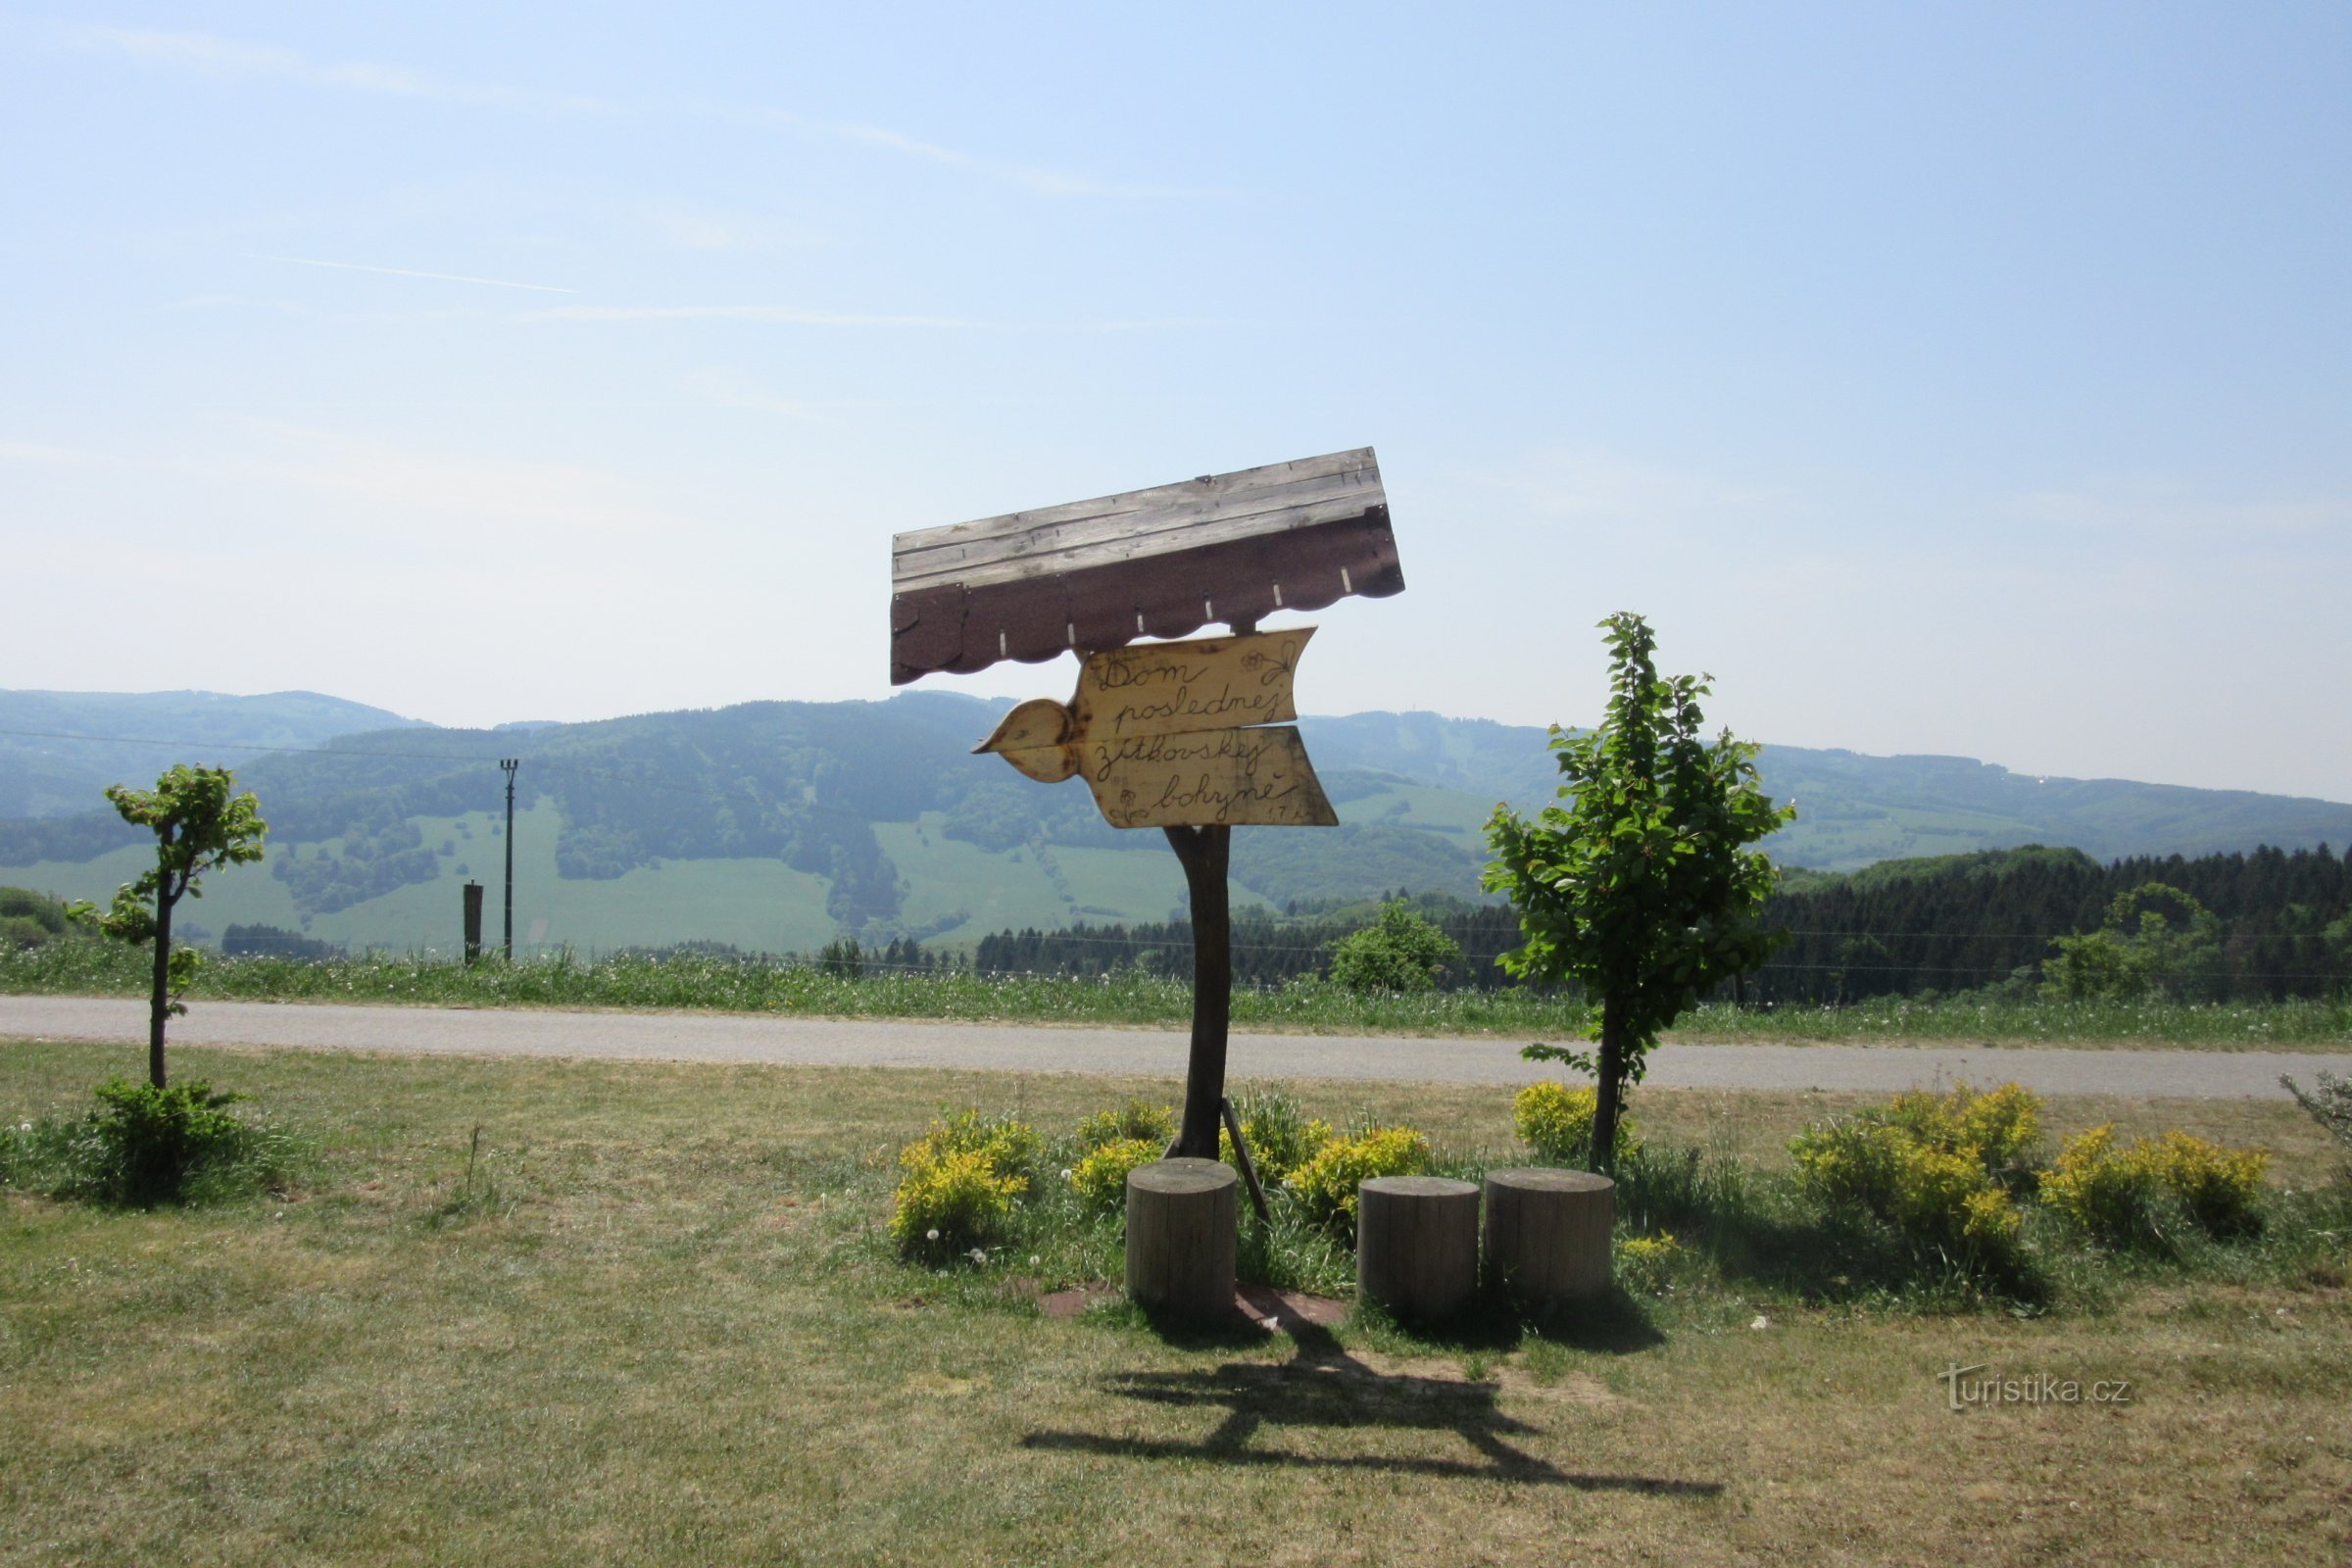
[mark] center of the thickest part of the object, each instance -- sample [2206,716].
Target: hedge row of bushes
[1957,1173]
[965,1177]
[1954,1170]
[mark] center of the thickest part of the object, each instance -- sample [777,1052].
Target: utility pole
[509,763]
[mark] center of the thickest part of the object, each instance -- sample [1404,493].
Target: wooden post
[1416,1245]
[1547,1233]
[1241,1157]
[1206,853]
[1183,1232]
[474,922]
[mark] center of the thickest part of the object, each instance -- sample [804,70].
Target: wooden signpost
[1178,734]
[1187,736]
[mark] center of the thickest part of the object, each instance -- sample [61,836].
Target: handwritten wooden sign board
[1178,734]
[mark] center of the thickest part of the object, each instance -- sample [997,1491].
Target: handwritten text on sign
[1178,733]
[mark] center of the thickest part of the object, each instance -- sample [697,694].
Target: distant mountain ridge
[1854,809]
[58,748]
[777,825]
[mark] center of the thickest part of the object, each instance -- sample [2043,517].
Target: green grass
[765,985]
[605,1312]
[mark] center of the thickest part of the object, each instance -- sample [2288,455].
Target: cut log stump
[1416,1245]
[1183,1219]
[1547,1233]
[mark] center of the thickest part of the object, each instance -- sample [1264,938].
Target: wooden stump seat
[1182,1230]
[1416,1245]
[1547,1233]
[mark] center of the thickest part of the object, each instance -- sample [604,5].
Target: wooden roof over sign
[1094,576]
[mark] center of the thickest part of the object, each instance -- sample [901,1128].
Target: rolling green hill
[777,825]
[57,748]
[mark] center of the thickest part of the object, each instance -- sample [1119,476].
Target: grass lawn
[660,1324]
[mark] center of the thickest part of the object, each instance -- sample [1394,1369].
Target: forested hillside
[58,748]
[2282,923]
[778,825]
[2282,927]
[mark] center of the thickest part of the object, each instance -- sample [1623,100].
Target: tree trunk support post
[158,1002]
[1206,853]
[1610,1094]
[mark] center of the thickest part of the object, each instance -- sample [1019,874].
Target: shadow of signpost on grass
[1324,1387]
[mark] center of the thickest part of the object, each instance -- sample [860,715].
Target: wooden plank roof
[1094,576]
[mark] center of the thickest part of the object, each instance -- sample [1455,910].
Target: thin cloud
[795,316]
[421,480]
[1585,485]
[402,272]
[722,385]
[772,315]
[230,58]
[703,229]
[1042,181]
[2154,504]
[319,312]
[39,452]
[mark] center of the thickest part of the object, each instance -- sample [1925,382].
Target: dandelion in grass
[931,1235]
[979,1254]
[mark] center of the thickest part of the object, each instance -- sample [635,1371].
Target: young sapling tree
[1639,883]
[200,825]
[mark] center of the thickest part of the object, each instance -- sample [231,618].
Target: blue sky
[1959,379]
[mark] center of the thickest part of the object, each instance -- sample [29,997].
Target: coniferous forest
[2264,926]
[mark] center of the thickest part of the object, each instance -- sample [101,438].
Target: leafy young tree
[199,826]
[1401,952]
[1637,885]
[29,919]
[2156,938]
[2329,1104]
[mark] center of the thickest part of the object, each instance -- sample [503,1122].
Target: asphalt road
[884,1043]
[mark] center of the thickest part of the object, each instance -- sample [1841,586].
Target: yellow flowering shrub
[962,1179]
[1645,1262]
[2001,1125]
[950,1199]
[2217,1185]
[2119,1195]
[1327,1183]
[1009,1146]
[1557,1123]
[1282,1136]
[1135,1119]
[2093,1185]
[1989,1220]
[1913,1164]
[1100,1178]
